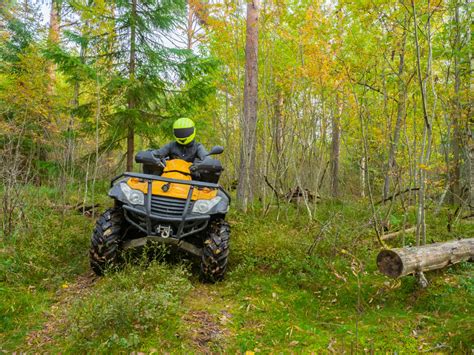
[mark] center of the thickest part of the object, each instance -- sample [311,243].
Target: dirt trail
[55,318]
[207,320]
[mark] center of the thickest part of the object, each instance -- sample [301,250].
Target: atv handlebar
[147,157]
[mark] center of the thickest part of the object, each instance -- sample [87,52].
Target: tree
[401,112]
[249,123]
[53,36]
[148,74]
[461,58]
[335,146]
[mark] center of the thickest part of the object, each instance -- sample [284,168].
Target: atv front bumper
[159,212]
[151,223]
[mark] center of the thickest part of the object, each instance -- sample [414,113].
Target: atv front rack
[179,220]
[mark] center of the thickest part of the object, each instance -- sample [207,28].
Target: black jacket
[187,152]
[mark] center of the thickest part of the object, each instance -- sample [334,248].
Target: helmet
[184,131]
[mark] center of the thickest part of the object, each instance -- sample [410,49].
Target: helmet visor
[183,132]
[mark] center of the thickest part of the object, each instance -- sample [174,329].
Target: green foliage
[19,41]
[83,85]
[18,30]
[163,82]
[73,66]
[126,308]
[276,295]
[296,283]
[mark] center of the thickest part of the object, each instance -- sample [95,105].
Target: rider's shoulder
[171,144]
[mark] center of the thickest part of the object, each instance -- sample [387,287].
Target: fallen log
[403,261]
[396,194]
[78,207]
[84,209]
[394,234]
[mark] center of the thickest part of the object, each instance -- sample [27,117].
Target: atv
[172,202]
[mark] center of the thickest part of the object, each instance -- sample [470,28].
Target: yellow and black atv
[172,202]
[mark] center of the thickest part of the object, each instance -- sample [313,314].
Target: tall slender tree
[53,36]
[401,112]
[249,124]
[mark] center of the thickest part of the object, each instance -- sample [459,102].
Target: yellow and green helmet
[184,130]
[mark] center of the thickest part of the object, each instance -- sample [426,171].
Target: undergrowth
[293,284]
[128,308]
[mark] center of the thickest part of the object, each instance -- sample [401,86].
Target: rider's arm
[163,152]
[201,152]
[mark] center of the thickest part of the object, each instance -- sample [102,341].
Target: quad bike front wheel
[215,251]
[104,251]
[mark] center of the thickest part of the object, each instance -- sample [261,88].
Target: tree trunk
[190,26]
[403,261]
[470,123]
[53,34]
[279,125]
[53,39]
[71,134]
[456,143]
[401,232]
[131,99]
[471,175]
[402,92]
[249,124]
[335,148]
[363,168]
[427,130]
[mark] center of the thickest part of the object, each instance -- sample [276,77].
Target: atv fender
[116,193]
[223,206]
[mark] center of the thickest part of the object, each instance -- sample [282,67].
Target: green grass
[126,309]
[276,297]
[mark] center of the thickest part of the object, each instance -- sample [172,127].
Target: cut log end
[390,263]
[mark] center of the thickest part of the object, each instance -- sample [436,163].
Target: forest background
[323,108]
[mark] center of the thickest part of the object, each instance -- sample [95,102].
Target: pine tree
[149,75]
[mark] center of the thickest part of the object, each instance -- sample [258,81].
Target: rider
[185,147]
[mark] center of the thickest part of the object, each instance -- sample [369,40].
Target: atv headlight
[135,197]
[204,206]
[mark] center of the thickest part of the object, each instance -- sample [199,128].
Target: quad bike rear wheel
[104,251]
[215,251]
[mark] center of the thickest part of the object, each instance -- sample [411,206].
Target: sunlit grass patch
[134,308]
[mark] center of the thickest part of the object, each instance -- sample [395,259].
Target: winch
[163,231]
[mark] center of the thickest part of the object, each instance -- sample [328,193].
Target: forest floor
[276,297]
